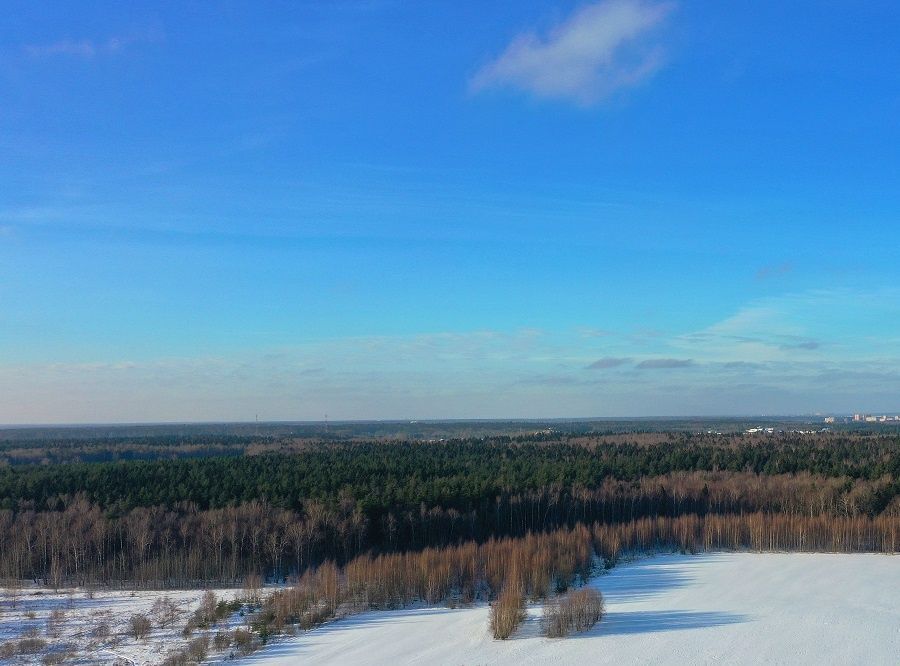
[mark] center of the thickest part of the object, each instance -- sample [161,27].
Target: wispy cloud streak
[664,363]
[608,362]
[87,48]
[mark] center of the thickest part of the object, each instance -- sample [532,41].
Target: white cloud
[599,49]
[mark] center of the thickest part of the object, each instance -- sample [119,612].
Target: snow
[734,608]
[731,608]
[84,611]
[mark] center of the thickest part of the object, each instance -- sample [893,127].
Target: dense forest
[457,474]
[279,512]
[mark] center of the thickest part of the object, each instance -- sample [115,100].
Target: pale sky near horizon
[387,209]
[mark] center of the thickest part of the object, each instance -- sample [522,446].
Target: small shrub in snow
[139,626]
[100,631]
[507,612]
[207,610]
[221,640]
[252,587]
[55,622]
[177,659]
[263,624]
[13,592]
[579,610]
[31,645]
[313,618]
[226,608]
[198,648]
[209,613]
[59,655]
[243,641]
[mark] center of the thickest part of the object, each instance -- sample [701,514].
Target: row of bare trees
[753,531]
[154,546]
[508,571]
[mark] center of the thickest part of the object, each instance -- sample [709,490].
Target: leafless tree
[165,611]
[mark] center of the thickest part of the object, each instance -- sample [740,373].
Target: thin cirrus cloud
[591,332]
[808,345]
[664,363]
[774,271]
[91,48]
[79,48]
[600,49]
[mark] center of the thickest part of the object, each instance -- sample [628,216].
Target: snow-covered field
[735,608]
[84,616]
[731,608]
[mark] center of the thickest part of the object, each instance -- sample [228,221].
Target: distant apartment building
[864,418]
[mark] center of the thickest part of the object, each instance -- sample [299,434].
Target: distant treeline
[463,475]
[51,445]
[455,429]
[56,450]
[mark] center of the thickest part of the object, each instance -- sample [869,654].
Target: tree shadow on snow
[531,627]
[637,581]
[643,622]
[304,641]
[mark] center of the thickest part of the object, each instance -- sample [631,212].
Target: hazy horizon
[390,211]
[711,418]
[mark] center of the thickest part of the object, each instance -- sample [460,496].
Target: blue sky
[447,210]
